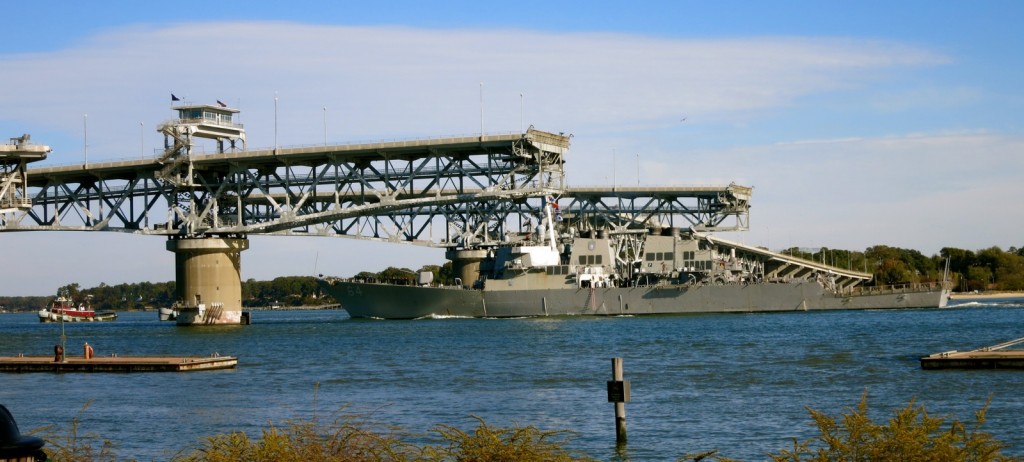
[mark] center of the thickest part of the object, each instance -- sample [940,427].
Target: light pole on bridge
[85,139]
[275,122]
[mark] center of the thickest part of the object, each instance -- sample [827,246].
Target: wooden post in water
[618,393]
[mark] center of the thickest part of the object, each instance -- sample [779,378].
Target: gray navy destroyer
[645,269]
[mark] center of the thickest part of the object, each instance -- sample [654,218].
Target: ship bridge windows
[591,260]
[696,265]
[659,256]
[558,270]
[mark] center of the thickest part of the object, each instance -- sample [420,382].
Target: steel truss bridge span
[449,192]
[269,191]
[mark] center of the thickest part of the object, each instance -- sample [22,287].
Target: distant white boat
[168,313]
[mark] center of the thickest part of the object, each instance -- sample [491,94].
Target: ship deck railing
[395,282]
[906,288]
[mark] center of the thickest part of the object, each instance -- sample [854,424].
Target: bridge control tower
[195,121]
[14,156]
[207,267]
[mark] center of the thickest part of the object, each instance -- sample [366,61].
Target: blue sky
[857,124]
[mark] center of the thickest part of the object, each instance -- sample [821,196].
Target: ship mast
[549,203]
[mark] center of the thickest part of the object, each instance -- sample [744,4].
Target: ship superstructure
[577,266]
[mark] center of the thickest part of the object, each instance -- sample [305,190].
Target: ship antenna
[548,200]
[945,274]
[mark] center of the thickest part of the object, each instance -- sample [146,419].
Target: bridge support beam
[208,277]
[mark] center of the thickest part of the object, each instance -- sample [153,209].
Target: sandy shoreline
[985,295]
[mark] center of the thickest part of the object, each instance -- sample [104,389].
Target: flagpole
[63,337]
[275,123]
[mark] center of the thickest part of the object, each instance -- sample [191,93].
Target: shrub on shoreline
[911,434]
[306,441]
[355,440]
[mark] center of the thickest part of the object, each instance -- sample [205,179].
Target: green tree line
[281,291]
[443,274]
[120,297]
[991,269]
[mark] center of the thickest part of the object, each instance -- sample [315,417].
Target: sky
[857,123]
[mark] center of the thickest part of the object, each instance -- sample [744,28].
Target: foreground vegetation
[991,269]
[910,435]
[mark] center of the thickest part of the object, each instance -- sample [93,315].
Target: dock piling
[618,393]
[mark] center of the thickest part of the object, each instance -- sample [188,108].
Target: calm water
[738,383]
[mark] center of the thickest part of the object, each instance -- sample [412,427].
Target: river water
[738,383]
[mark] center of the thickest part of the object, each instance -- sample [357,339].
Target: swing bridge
[464,192]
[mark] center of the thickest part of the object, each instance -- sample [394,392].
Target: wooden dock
[1008,359]
[116,363]
[993,357]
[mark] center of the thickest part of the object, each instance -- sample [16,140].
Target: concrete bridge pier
[208,278]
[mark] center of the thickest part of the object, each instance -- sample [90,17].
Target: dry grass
[496,444]
[911,435]
[349,440]
[69,445]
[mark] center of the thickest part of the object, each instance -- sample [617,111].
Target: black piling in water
[618,393]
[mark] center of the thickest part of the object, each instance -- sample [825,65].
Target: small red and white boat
[64,309]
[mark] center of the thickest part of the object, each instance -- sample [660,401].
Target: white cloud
[926,97]
[384,81]
[920,191]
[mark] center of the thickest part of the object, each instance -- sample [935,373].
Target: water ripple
[740,383]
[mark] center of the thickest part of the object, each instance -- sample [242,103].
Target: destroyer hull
[368,300]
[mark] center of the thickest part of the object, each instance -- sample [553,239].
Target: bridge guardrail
[201,149]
